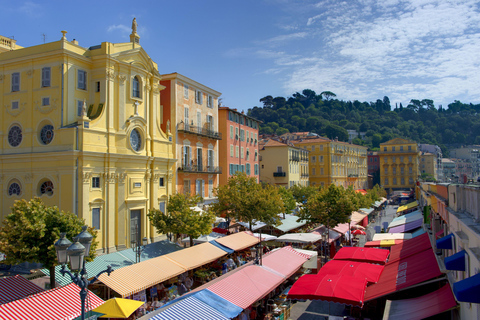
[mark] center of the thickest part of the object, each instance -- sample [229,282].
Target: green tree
[289,202]
[302,193]
[330,206]
[428,177]
[30,231]
[327,95]
[181,218]
[243,199]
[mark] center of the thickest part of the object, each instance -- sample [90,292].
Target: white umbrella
[197,208]
[265,237]
[219,219]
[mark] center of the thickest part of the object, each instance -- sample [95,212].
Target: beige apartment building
[428,164]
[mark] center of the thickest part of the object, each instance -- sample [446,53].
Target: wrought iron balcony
[279,174]
[204,132]
[200,168]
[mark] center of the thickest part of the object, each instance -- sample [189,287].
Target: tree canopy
[30,231]
[243,199]
[330,206]
[328,116]
[180,218]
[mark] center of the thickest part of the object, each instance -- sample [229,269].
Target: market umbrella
[333,288]
[118,308]
[358,231]
[357,226]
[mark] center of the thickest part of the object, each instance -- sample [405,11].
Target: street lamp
[325,244]
[138,248]
[76,253]
[258,249]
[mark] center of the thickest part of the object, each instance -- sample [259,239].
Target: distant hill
[420,120]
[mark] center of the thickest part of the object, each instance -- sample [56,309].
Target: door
[199,159]
[135,225]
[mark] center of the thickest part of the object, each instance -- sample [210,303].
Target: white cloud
[30,8]
[119,27]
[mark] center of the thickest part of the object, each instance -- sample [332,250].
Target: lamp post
[138,248]
[258,251]
[324,239]
[76,253]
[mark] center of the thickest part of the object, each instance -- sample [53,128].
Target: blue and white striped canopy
[190,309]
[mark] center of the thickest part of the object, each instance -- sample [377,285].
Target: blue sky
[247,49]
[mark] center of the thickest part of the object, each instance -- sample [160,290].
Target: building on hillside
[283,164]
[463,170]
[448,166]
[398,164]
[471,153]
[289,136]
[352,134]
[193,109]
[454,214]
[437,151]
[82,130]
[332,161]
[428,164]
[239,146]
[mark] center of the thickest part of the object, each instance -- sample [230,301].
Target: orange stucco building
[239,144]
[193,110]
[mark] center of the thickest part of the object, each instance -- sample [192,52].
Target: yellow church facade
[84,129]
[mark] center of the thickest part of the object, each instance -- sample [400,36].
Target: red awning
[58,303]
[361,254]
[246,286]
[409,247]
[404,273]
[362,191]
[333,288]
[17,287]
[361,270]
[285,261]
[422,307]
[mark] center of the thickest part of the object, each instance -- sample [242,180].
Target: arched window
[46,188]
[136,87]
[14,189]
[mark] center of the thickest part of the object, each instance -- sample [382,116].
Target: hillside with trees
[324,114]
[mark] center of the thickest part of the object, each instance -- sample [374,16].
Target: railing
[294,159]
[200,168]
[398,151]
[183,127]
[305,175]
[279,174]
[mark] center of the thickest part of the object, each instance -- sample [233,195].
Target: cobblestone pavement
[387,216]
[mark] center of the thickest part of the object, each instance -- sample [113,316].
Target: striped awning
[238,241]
[118,260]
[285,261]
[129,280]
[196,256]
[246,286]
[17,287]
[190,309]
[61,303]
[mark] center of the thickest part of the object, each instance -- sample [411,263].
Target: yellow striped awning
[408,206]
[196,256]
[136,277]
[238,241]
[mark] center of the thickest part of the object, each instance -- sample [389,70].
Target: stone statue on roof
[134,25]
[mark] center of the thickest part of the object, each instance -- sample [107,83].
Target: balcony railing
[305,175]
[200,168]
[205,132]
[279,174]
